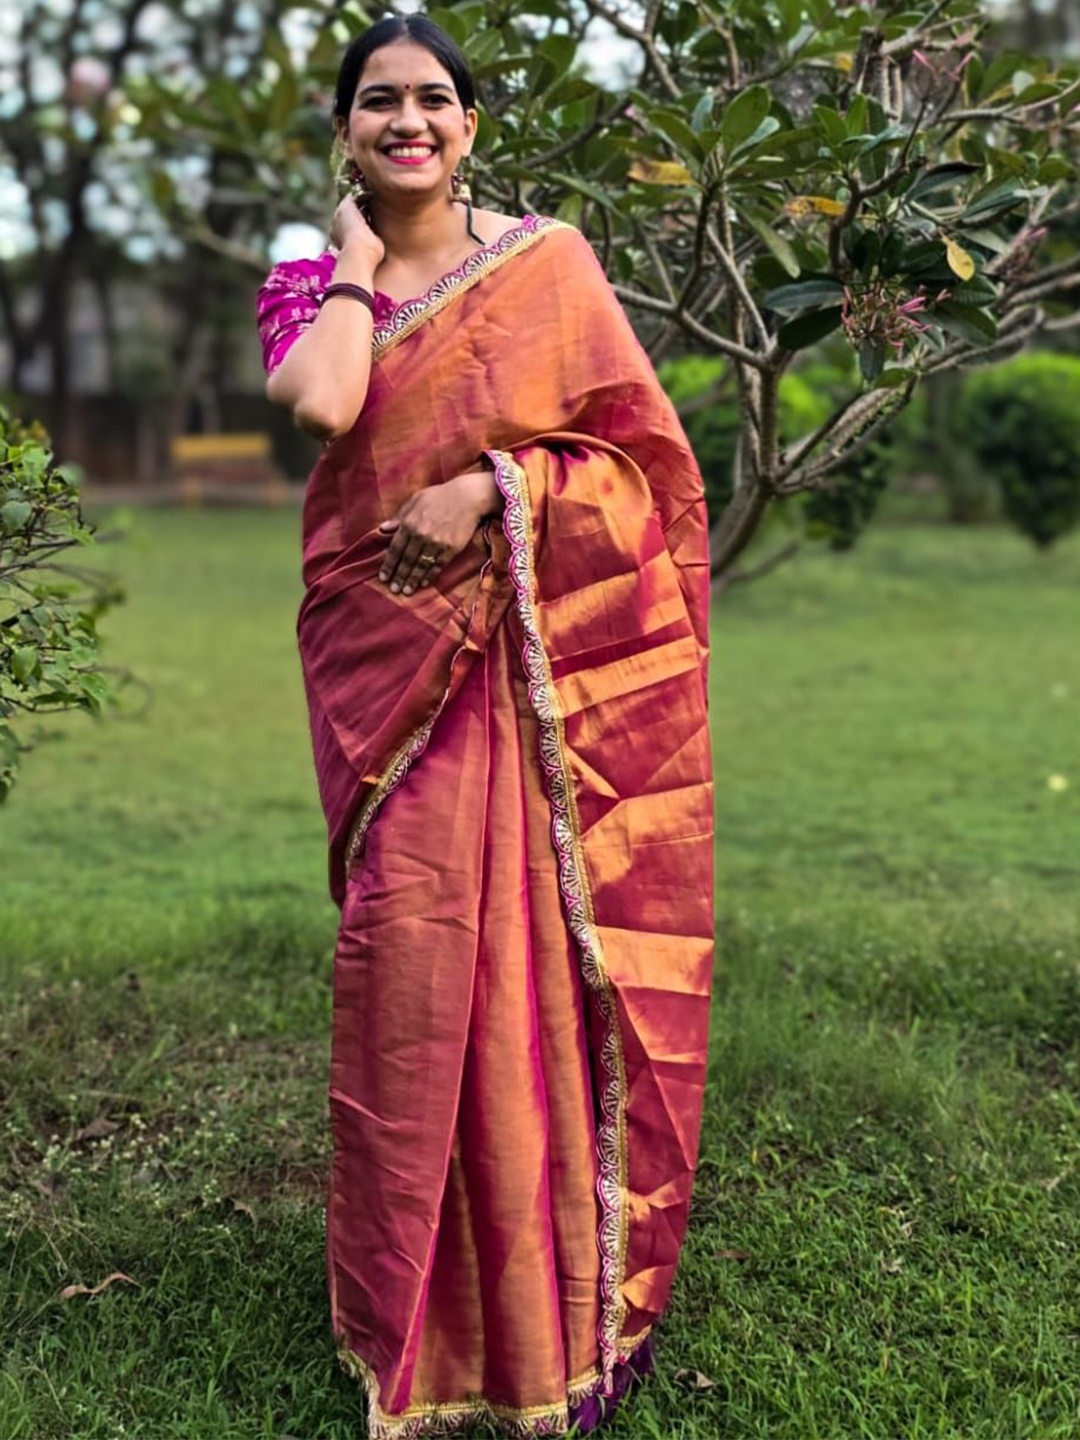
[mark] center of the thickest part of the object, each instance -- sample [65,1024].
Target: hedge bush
[1022,419]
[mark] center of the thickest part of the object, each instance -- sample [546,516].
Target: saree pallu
[514,765]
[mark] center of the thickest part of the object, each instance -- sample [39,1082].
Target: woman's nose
[409,119]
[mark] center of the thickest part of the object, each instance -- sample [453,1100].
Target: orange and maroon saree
[514,765]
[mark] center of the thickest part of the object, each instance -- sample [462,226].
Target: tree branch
[726,578]
[693,327]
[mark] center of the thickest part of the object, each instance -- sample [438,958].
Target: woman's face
[407,129]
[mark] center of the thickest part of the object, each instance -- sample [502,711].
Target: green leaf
[743,115]
[808,329]
[976,327]
[1041,90]
[14,514]
[871,362]
[992,203]
[570,210]
[768,127]
[703,112]
[830,125]
[777,246]
[892,378]
[857,117]
[998,71]
[1055,167]
[891,135]
[574,182]
[805,295]
[23,663]
[942,177]
[674,128]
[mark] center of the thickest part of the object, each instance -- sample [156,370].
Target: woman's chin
[411,189]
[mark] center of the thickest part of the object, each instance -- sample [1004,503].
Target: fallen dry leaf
[732,1255]
[70,1290]
[244,1210]
[97,1129]
[695,1380]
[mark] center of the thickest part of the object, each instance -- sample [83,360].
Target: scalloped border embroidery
[445,1418]
[412,313]
[513,483]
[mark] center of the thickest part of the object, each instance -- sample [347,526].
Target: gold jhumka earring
[348,177]
[460,191]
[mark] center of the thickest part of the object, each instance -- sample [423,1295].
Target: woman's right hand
[350,229]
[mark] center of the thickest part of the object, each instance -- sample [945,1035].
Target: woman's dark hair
[421,31]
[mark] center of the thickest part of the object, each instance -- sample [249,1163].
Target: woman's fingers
[408,561]
[425,564]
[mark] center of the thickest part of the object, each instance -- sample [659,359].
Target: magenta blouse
[289,298]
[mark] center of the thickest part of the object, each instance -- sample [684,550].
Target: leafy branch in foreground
[49,607]
[772,176]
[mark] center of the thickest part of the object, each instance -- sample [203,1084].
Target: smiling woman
[504,640]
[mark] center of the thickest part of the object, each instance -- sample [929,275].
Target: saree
[515,770]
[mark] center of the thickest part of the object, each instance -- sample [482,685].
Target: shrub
[49,657]
[1023,423]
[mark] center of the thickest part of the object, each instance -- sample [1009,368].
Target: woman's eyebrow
[392,89]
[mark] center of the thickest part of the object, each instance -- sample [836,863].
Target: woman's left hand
[433,526]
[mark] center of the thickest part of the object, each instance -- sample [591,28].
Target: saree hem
[590,1398]
[611,1144]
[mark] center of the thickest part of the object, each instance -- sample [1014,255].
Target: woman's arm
[323,378]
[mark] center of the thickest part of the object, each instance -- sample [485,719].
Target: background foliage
[756,177]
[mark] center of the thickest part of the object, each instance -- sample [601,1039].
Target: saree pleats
[463,1207]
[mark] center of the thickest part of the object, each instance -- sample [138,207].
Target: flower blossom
[882,314]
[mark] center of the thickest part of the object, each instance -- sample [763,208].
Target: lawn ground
[887,1229]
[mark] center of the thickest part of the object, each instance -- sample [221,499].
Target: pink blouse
[288,300]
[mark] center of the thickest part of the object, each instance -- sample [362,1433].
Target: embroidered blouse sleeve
[288,302]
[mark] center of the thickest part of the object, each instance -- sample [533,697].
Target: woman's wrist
[483,492]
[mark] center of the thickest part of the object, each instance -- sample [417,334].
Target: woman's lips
[414,159]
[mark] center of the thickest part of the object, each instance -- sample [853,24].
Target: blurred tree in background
[756,177]
[74,167]
[883,184]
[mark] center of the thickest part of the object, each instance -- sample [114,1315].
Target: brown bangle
[354,292]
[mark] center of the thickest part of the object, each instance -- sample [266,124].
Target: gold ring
[428,559]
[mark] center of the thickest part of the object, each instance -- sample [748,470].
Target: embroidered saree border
[407,317]
[443,1418]
[513,484]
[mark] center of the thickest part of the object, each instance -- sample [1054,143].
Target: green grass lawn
[887,1228]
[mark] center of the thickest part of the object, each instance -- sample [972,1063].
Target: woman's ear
[472,119]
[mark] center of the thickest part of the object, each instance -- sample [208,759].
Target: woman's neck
[416,236]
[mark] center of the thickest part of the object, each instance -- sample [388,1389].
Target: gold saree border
[413,313]
[612,1188]
[443,1418]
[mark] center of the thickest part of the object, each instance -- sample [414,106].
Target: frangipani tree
[757,176]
